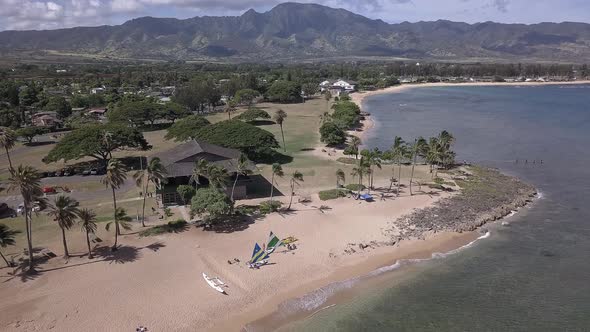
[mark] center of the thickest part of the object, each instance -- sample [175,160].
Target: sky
[53,14]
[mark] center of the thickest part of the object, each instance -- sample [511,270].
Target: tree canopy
[212,202]
[136,112]
[253,114]
[186,128]
[284,92]
[332,134]
[246,96]
[238,135]
[59,105]
[29,133]
[98,141]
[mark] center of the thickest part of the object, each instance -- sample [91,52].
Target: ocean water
[531,276]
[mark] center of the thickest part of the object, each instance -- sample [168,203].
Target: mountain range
[293,31]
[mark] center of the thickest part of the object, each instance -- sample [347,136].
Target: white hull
[215,283]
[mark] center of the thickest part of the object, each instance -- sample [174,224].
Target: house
[97,113]
[46,119]
[180,162]
[338,87]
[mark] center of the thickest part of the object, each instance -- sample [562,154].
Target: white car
[20,209]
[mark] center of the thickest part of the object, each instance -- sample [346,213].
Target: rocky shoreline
[485,195]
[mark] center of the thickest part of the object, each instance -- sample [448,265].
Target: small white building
[96,91]
[338,86]
[348,86]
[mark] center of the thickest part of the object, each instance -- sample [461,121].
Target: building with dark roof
[180,162]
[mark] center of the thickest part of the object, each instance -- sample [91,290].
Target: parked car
[49,190]
[6,211]
[59,173]
[94,171]
[68,172]
[20,209]
[86,172]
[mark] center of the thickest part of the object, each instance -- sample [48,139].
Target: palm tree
[114,178]
[122,220]
[354,144]
[433,154]
[277,170]
[446,140]
[88,225]
[217,176]
[374,160]
[340,176]
[26,180]
[296,179]
[230,107]
[279,118]
[399,151]
[155,173]
[418,148]
[7,141]
[64,211]
[199,171]
[360,170]
[242,168]
[6,239]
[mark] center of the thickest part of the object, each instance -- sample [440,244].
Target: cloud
[501,5]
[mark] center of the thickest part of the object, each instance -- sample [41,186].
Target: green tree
[399,151]
[27,181]
[175,111]
[332,134]
[187,128]
[230,107]
[29,133]
[310,89]
[327,96]
[88,224]
[186,193]
[353,146]
[60,106]
[252,114]
[340,176]
[212,202]
[122,220]
[116,174]
[419,148]
[98,141]
[7,141]
[242,168]
[296,179]
[284,92]
[28,96]
[277,171]
[154,173]
[64,211]
[360,170]
[7,239]
[279,118]
[217,176]
[246,96]
[237,135]
[10,117]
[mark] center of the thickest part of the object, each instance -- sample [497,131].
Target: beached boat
[259,257]
[215,283]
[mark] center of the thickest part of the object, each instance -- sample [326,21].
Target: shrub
[332,194]
[270,206]
[186,193]
[176,226]
[355,186]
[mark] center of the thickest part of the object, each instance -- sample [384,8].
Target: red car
[49,190]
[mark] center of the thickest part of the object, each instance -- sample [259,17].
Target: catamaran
[259,257]
[215,283]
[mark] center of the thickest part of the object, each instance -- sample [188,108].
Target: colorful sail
[258,255]
[273,242]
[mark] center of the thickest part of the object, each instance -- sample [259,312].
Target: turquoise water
[531,276]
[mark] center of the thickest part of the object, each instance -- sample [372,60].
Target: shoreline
[422,244]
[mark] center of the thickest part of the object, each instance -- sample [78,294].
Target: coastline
[423,241]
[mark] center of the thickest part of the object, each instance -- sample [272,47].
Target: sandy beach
[157,282]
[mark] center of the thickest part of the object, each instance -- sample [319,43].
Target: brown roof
[180,160]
